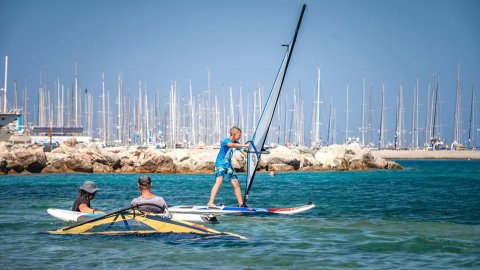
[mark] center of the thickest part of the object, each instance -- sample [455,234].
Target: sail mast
[457,114]
[346,120]
[471,130]
[5,86]
[362,129]
[381,139]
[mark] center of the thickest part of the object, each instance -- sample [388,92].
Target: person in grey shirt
[146,196]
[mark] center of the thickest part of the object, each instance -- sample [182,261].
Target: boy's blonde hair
[235,128]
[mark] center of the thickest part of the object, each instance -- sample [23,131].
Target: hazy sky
[239,41]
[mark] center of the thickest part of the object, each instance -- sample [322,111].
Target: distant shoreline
[423,154]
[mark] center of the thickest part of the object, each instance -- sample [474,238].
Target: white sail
[260,135]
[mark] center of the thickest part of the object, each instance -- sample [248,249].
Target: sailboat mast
[334,126]
[62,106]
[434,107]
[15,94]
[317,112]
[370,127]
[5,86]
[381,143]
[329,136]
[232,115]
[25,105]
[457,114]
[192,118]
[75,98]
[208,125]
[471,129]
[413,145]
[416,114]
[104,120]
[147,118]
[59,117]
[346,119]
[119,109]
[400,117]
[240,110]
[362,128]
[109,119]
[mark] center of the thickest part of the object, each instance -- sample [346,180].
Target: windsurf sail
[263,125]
[131,220]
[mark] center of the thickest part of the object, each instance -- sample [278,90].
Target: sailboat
[256,145]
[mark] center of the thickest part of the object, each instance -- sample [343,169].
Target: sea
[426,216]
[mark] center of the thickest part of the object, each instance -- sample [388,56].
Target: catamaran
[256,146]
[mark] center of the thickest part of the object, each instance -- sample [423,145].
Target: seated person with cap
[86,193]
[155,204]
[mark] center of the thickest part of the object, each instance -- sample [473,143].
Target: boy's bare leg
[215,188]
[238,191]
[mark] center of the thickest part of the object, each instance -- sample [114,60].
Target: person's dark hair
[144,182]
[84,194]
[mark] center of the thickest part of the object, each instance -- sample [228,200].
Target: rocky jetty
[93,158]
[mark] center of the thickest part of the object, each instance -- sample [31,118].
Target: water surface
[426,216]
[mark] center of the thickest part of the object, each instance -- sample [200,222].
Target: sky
[240,43]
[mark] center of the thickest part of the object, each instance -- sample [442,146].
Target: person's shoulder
[159,199]
[136,200]
[226,140]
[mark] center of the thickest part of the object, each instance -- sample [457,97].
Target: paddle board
[225,210]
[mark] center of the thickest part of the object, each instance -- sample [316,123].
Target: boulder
[157,164]
[80,162]
[280,167]
[3,166]
[101,168]
[20,158]
[282,155]
[309,162]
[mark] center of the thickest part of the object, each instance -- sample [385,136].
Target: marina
[182,123]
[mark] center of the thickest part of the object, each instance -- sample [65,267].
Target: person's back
[147,201]
[155,204]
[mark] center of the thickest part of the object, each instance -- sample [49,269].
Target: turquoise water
[424,217]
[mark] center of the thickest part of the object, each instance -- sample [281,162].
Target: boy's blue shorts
[228,172]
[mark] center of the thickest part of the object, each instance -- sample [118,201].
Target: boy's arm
[237,145]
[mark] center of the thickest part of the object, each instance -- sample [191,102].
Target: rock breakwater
[93,158]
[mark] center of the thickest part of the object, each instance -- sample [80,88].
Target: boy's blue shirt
[224,157]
